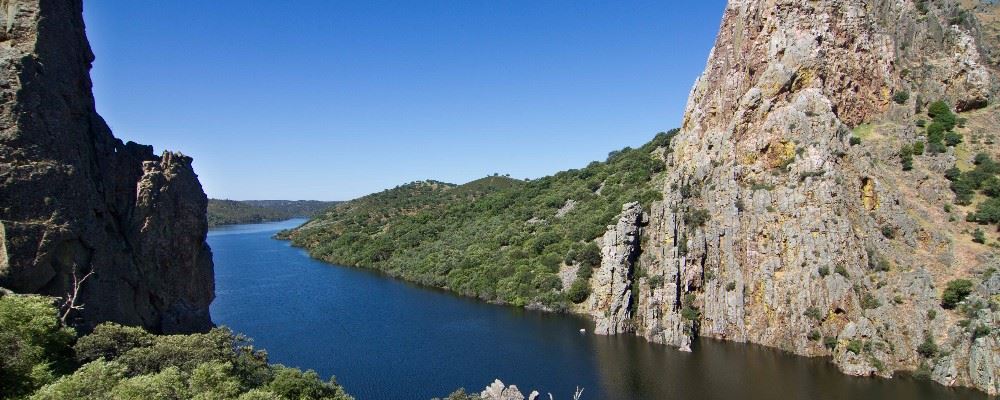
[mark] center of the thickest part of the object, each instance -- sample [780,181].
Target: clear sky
[331,100]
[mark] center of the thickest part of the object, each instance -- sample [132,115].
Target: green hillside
[497,238]
[228,212]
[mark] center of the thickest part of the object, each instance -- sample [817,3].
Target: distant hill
[500,239]
[228,212]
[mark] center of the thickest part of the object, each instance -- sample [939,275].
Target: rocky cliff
[75,200]
[789,218]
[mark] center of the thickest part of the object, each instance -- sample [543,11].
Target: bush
[956,291]
[34,343]
[854,141]
[814,313]
[918,147]
[952,138]
[991,186]
[935,132]
[579,291]
[292,383]
[978,236]
[842,271]
[927,349]
[656,281]
[813,335]
[830,342]
[690,313]
[988,212]
[823,271]
[980,331]
[731,286]
[95,380]
[938,109]
[697,217]
[906,157]
[868,302]
[109,341]
[854,346]
[901,97]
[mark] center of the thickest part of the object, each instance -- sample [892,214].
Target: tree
[579,291]
[956,291]
[35,344]
[110,341]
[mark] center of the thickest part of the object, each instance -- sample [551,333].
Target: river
[388,339]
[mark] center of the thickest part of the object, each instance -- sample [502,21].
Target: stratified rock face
[774,229]
[611,297]
[74,198]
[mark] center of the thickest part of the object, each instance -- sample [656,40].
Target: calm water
[386,339]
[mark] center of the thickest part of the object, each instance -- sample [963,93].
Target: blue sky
[331,100]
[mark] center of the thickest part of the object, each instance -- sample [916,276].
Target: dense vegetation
[496,238]
[44,360]
[227,212]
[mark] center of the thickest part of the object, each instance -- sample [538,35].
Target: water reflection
[386,339]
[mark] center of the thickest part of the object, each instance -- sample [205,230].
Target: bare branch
[69,303]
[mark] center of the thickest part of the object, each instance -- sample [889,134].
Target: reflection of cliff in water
[631,368]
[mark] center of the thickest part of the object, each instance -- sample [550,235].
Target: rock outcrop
[787,220]
[611,297]
[75,200]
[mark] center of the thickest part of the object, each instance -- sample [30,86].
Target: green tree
[956,291]
[34,343]
[94,381]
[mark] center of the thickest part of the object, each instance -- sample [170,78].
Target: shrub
[918,147]
[842,271]
[830,342]
[109,341]
[980,331]
[731,286]
[927,349]
[34,343]
[978,236]
[579,291]
[991,186]
[935,133]
[814,313]
[868,302]
[931,314]
[938,109]
[813,335]
[901,97]
[690,313]
[921,123]
[697,217]
[656,281]
[906,157]
[292,383]
[952,138]
[854,346]
[854,141]
[823,271]
[956,291]
[988,211]
[888,232]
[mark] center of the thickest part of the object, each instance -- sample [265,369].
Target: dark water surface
[386,339]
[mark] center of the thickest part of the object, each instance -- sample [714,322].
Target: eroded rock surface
[775,229]
[74,199]
[611,297]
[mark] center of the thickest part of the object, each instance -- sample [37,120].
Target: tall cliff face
[74,199]
[776,230]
